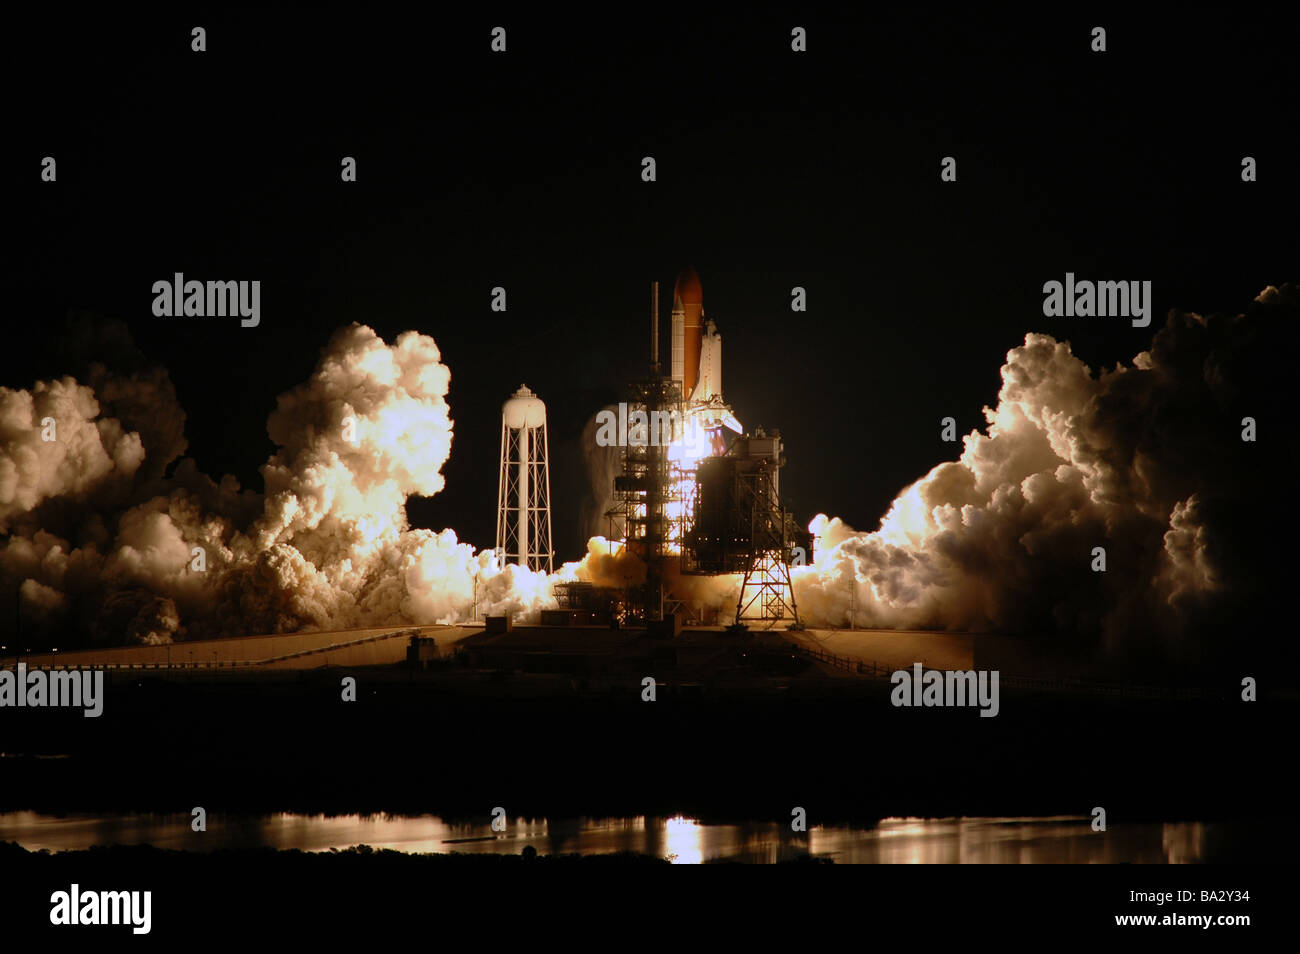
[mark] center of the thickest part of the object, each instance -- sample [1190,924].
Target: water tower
[524,495]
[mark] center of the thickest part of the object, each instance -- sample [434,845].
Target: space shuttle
[697,359]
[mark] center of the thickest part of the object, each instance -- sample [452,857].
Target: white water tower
[524,495]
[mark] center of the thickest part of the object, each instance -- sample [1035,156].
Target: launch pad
[708,503]
[695,496]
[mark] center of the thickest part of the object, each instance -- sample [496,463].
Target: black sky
[523,170]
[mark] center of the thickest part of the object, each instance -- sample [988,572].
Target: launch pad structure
[647,492]
[701,504]
[738,524]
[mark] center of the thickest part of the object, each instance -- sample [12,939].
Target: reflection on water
[682,838]
[1062,839]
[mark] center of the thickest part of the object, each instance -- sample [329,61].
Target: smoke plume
[1147,461]
[99,543]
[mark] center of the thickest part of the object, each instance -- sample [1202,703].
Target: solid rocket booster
[688,313]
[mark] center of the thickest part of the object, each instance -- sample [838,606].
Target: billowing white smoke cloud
[54,444]
[1146,461]
[603,465]
[327,545]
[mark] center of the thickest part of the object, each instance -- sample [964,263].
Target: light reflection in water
[1061,839]
[682,838]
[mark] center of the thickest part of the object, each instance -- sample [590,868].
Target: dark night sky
[523,170]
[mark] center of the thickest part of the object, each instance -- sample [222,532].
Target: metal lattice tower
[766,592]
[644,490]
[524,491]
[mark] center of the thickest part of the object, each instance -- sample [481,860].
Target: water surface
[1060,839]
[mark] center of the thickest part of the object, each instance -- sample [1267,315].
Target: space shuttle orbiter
[697,357]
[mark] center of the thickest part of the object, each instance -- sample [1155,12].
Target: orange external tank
[688,296]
